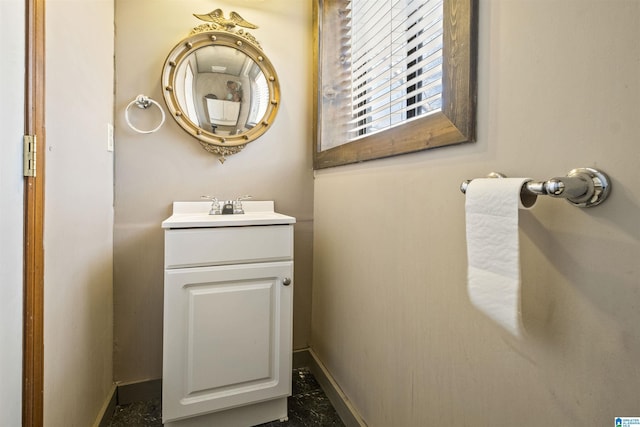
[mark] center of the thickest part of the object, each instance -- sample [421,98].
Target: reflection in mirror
[222,90]
[220,87]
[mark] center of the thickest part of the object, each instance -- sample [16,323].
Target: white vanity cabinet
[228,297]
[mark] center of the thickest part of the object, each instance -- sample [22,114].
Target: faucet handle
[237,204]
[215,205]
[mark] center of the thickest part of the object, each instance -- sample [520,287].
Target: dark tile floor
[308,407]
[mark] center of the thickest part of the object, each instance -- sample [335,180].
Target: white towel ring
[143,102]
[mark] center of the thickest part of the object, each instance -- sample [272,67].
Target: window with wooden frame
[393,77]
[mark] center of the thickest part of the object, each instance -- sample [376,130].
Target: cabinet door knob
[286,281]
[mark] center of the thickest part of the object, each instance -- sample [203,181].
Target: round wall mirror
[221,88]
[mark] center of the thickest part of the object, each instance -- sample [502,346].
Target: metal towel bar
[582,187]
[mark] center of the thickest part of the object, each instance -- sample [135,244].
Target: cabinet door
[227,337]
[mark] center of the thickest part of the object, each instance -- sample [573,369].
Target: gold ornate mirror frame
[219,32]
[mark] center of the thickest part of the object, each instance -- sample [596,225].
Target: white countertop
[196,215]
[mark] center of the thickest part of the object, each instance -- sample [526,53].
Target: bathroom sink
[196,215]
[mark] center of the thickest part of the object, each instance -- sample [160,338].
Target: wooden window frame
[454,124]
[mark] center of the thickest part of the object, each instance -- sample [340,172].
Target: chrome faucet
[226,208]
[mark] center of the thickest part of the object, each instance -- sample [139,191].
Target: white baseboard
[106,412]
[350,417]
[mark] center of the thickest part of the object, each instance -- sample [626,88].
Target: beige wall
[155,169]
[11,212]
[78,224]
[558,89]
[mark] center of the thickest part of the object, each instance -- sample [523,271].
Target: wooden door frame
[33,323]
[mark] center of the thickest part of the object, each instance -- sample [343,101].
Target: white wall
[558,89]
[155,169]
[78,240]
[11,207]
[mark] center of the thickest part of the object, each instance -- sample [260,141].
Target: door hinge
[29,155]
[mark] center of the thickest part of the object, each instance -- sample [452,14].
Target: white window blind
[394,49]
